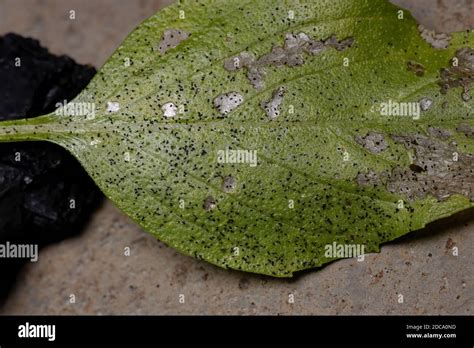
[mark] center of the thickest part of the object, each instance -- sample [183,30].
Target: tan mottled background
[94,269]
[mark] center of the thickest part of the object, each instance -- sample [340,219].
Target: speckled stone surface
[155,279]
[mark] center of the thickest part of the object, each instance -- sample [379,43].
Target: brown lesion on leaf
[242,60]
[460,73]
[438,169]
[371,178]
[440,133]
[229,184]
[272,106]
[436,40]
[227,102]
[425,103]
[466,129]
[209,203]
[374,142]
[417,68]
[171,38]
[290,54]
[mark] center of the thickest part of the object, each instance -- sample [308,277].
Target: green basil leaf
[276,136]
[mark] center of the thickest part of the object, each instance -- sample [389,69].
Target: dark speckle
[243,284]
